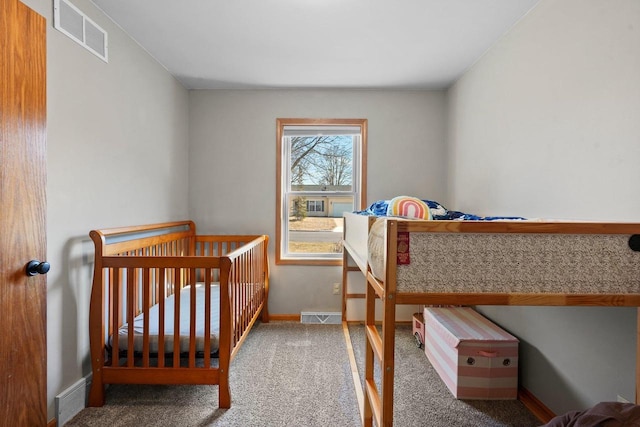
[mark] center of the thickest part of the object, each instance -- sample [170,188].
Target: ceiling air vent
[69,20]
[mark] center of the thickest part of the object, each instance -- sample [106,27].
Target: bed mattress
[509,262]
[185,323]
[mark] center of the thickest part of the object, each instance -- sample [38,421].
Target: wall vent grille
[323,318]
[70,20]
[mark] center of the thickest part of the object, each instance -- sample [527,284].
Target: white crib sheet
[185,326]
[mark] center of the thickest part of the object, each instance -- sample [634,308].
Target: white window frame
[284,190]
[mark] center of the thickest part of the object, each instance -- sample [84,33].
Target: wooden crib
[166,301]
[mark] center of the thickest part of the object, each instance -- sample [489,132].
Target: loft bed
[169,306]
[478,262]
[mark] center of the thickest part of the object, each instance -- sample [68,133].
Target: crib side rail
[219,245]
[244,289]
[245,285]
[169,238]
[138,285]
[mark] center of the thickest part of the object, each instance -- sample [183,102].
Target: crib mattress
[185,323]
[509,262]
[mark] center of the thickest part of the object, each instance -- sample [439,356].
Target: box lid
[464,324]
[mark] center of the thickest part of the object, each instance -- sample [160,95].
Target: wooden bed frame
[141,266]
[378,404]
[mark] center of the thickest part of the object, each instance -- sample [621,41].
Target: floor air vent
[321,317]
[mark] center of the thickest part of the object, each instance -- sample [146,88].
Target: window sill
[311,261]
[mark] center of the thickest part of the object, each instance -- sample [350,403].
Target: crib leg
[96,392]
[224,393]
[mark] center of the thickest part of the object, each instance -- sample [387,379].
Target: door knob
[36,267]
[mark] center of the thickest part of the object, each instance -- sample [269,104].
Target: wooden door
[23,391]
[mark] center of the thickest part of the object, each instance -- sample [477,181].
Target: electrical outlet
[336,288]
[622,399]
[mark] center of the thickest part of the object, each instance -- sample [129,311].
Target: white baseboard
[72,400]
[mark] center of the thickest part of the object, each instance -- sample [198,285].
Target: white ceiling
[211,44]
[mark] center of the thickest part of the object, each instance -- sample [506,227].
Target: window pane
[321,163]
[315,226]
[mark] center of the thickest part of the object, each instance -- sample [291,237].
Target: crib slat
[156,288]
[242,291]
[237,295]
[192,321]
[246,289]
[135,282]
[207,317]
[108,273]
[131,309]
[161,310]
[146,303]
[116,315]
[176,318]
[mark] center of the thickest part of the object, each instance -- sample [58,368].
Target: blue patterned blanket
[438,212]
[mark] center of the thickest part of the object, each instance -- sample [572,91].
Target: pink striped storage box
[475,358]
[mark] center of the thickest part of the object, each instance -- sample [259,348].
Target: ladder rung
[374,401]
[362,296]
[375,340]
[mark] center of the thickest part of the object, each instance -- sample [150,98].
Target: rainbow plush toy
[408,207]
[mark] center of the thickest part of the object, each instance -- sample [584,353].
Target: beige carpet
[290,374]
[285,374]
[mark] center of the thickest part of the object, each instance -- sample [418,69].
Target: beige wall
[117,155]
[232,169]
[547,124]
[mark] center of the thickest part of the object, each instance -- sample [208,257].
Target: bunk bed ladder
[379,406]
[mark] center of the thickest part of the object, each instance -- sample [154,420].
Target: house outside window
[315,206]
[321,174]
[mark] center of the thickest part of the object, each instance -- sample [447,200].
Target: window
[321,173]
[315,205]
